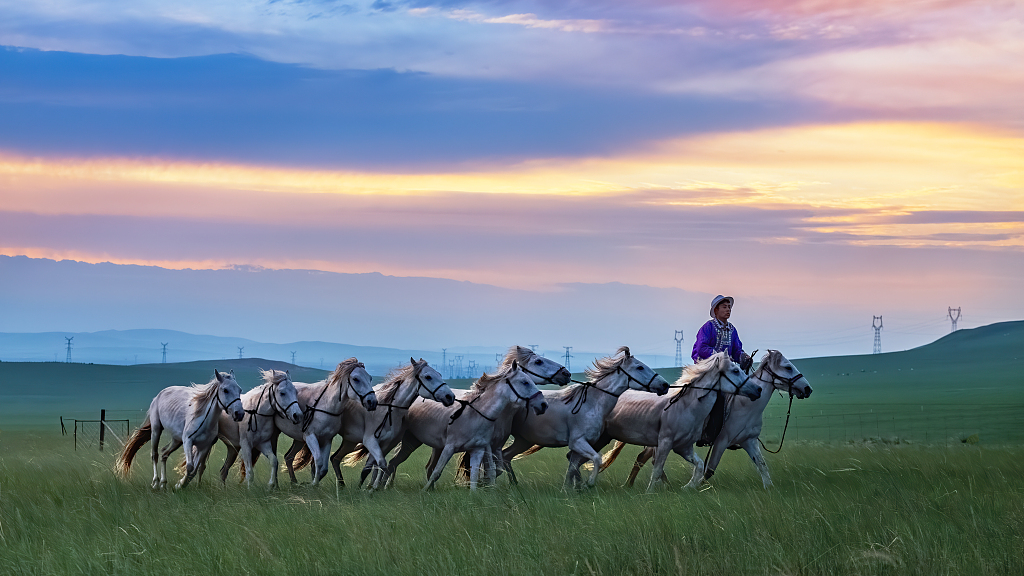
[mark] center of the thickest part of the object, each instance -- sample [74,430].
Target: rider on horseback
[718,334]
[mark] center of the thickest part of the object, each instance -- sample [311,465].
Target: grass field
[869,509]
[875,478]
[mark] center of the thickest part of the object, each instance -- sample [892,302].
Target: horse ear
[626,350]
[515,364]
[220,377]
[232,372]
[412,361]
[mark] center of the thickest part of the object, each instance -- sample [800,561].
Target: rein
[310,412]
[388,420]
[209,408]
[276,407]
[789,383]
[458,413]
[717,387]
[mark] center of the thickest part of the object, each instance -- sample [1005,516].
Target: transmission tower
[451,369]
[165,351]
[953,318]
[69,348]
[293,357]
[472,368]
[240,348]
[567,356]
[678,337]
[444,358]
[878,334]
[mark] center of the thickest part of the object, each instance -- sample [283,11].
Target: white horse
[368,432]
[742,425]
[540,369]
[575,416]
[674,423]
[190,414]
[257,432]
[470,428]
[325,405]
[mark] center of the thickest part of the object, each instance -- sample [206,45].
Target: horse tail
[123,464]
[608,457]
[356,455]
[531,450]
[462,472]
[302,458]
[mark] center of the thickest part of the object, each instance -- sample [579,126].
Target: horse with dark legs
[575,416]
[191,414]
[742,427]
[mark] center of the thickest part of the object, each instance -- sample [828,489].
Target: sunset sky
[820,160]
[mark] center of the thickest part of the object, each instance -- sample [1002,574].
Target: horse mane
[274,376]
[694,372]
[203,394]
[484,382]
[522,354]
[772,359]
[386,392]
[343,371]
[603,367]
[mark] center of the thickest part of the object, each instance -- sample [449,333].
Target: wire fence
[96,433]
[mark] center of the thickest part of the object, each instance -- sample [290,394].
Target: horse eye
[538,361]
[640,368]
[429,377]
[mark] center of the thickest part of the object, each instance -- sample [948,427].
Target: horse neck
[205,413]
[614,384]
[406,394]
[496,400]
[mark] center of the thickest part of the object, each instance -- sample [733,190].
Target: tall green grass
[864,509]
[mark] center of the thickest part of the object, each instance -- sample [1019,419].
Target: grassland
[847,499]
[868,509]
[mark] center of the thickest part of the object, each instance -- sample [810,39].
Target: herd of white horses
[622,400]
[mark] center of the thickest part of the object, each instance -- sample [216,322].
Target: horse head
[523,387]
[283,396]
[742,384]
[539,367]
[229,394]
[431,384]
[783,374]
[360,382]
[640,375]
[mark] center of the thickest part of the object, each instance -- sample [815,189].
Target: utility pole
[878,334]
[69,348]
[165,351]
[678,337]
[240,348]
[954,318]
[567,356]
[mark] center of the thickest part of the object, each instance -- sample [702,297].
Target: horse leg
[642,458]
[690,456]
[751,447]
[660,456]
[248,461]
[229,461]
[432,462]
[442,461]
[289,456]
[154,451]
[338,456]
[491,466]
[517,447]
[323,458]
[165,453]
[583,448]
[409,445]
[475,458]
[717,451]
[378,457]
[573,473]
[190,465]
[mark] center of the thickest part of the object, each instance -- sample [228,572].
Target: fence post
[103,427]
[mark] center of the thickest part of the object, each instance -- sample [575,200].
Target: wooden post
[103,427]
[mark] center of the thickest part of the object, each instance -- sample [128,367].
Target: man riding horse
[718,334]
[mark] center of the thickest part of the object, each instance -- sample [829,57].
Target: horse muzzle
[448,399]
[755,394]
[801,394]
[562,377]
[540,405]
[237,415]
[370,402]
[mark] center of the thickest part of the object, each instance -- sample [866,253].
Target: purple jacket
[707,337]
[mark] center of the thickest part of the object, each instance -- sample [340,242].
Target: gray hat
[718,300]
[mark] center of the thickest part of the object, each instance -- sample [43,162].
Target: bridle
[581,398]
[209,408]
[275,405]
[716,387]
[550,379]
[465,404]
[387,420]
[311,410]
[789,385]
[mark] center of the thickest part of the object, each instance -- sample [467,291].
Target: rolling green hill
[967,383]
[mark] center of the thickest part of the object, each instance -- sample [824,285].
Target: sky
[821,161]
